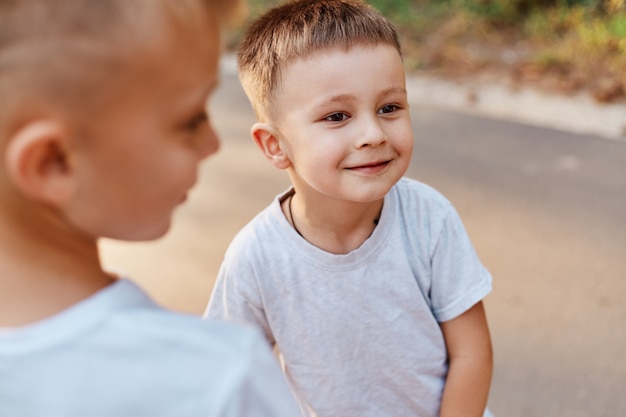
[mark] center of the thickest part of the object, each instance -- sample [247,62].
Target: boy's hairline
[265,109]
[298,30]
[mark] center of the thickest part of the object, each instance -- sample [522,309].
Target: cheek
[403,134]
[150,178]
[318,161]
[313,148]
[326,147]
[175,173]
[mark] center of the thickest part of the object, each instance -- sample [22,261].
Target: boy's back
[103,125]
[118,353]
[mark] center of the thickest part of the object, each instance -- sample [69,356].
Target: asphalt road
[546,211]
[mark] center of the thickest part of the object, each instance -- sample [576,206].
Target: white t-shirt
[358,333]
[117,354]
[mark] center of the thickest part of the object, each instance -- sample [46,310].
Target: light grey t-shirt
[358,333]
[119,354]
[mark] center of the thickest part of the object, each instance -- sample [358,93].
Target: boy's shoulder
[118,350]
[419,207]
[152,327]
[411,191]
[267,227]
[124,318]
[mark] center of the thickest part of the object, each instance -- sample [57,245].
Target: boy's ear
[37,162]
[266,138]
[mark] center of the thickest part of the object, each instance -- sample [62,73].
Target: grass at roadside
[566,46]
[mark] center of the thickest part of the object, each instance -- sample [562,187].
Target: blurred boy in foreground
[102,127]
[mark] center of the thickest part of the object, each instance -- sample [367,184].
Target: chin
[372,194]
[146,234]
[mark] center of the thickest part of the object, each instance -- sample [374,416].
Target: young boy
[366,281]
[102,129]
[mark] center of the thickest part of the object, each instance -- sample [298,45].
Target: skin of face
[142,154]
[343,123]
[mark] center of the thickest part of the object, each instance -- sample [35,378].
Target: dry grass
[564,49]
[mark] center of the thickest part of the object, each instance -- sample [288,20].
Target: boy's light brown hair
[298,29]
[66,54]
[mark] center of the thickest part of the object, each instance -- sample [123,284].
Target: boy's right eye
[336,117]
[196,122]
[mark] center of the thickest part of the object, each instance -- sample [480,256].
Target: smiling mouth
[373,167]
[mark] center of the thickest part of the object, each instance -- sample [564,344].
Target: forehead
[174,53]
[176,73]
[85,54]
[328,73]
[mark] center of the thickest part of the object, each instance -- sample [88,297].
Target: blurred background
[546,209]
[564,46]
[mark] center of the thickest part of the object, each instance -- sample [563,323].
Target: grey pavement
[543,202]
[577,113]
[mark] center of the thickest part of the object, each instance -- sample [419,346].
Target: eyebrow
[200,98]
[340,97]
[392,90]
[350,97]
[196,101]
[207,92]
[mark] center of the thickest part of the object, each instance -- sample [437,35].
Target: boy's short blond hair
[68,52]
[298,29]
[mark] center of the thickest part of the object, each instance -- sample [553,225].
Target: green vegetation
[562,45]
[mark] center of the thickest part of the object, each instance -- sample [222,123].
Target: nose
[371,134]
[210,145]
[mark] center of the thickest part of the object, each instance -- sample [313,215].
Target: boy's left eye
[389,108]
[196,122]
[336,117]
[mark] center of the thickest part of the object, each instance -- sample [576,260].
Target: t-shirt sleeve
[236,296]
[262,390]
[459,280]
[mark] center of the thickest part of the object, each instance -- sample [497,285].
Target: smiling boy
[366,281]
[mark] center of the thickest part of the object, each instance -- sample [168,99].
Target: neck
[339,229]
[45,267]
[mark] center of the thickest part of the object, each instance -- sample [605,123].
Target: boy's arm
[471,363]
[236,297]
